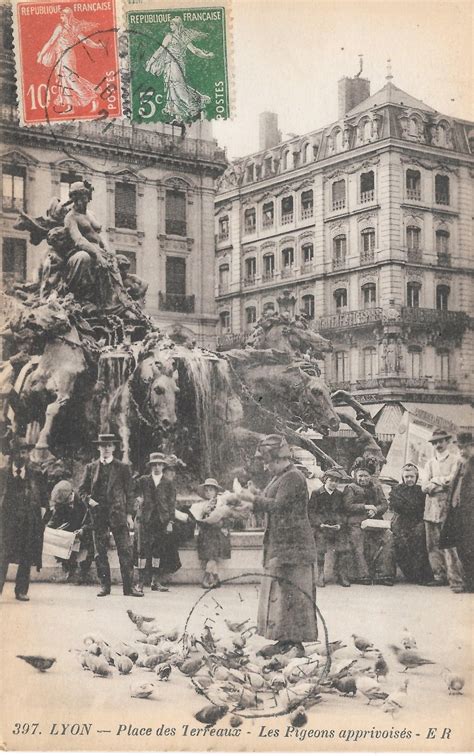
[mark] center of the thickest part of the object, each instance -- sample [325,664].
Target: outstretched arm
[198,52]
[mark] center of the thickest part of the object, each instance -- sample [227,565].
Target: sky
[290,54]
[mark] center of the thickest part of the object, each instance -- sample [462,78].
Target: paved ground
[58,616]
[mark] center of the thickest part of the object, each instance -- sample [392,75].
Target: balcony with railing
[268,276]
[223,235]
[414,194]
[367,257]
[249,281]
[175,227]
[442,198]
[414,255]
[286,218]
[366,197]
[307,212]
[350,318]
[391,381]
[444,259]
[339,204]
[338,263]
[430,317]
[176,302]
[446,384]
[232,341]
[267,222]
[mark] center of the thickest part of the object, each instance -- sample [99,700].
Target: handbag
[60,543]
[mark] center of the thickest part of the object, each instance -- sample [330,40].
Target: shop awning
[457,416]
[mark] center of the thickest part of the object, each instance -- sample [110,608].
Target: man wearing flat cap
[458,530]
[21,522]
[155,537]
[436,479]
[106,487]
[329,523]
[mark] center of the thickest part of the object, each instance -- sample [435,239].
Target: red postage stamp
[67,61]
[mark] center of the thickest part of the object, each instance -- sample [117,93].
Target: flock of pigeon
[239,680]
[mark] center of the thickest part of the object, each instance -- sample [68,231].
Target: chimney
[351,93]
[269,134]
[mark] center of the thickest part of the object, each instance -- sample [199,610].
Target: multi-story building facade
[368,223]
[154,193]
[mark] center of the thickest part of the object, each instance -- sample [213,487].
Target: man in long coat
[458,529]
[329,523]
[21,527]
[107,489]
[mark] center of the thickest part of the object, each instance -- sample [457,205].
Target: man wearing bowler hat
[107,489]
[458,530]
[21,524]
[436,479]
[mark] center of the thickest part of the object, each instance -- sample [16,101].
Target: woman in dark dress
[407,500]
[213,541]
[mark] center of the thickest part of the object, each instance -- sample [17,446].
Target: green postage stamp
[179,62]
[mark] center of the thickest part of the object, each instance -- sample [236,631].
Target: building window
[175,212]
[125,205]
[442,297]
[369,295]
[13,185]
[284,159]
[307,203]
[250,220]
[268,308]
[249,173]
[413,184]
[413,294]
[308,306]
[223,278]
[305,153]
[268,214]
[250,267]
[176,275]
[413,238]
[287,210]
[442,189]
[258,171]
[268,166]
[65,181]
[339,249]
[443,365]
[442,243]
[370,362]
[268,266]
[131,257]
[340,299]
[288,257]
[223,225]
[341,363]
[367,239]
[338,190]
[13,260]
[308,254]
[414,362]
[250,315]
[224,322]
[367,187]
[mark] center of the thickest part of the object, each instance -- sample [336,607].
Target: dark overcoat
[22,526]
[153,515]
[458,530]
[119,500]
[356,497]
[328,509]
[288,537]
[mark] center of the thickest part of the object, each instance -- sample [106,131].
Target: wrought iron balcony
[391,381]
[176,302]
[367,257]
[269,276]
[231,341]
[351,318]
[430,317]
[249,281]
[444,258]
[338,263]
[448,384]
[414,255]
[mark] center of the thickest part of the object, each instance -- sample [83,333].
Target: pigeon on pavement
[41,663]
[362,644]
[381,667]
[409,658]
[209,715]
[454,682]
[370,689]
[396,701]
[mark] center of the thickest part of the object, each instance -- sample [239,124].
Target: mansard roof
[390,95]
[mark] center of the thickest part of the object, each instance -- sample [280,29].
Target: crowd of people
[425,528]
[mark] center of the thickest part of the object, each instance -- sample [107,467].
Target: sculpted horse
[48,380]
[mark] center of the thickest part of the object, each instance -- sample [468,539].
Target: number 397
[25,728]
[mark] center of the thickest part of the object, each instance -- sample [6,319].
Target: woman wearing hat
[287,608]
[155,538]
[407,500]
[213,541]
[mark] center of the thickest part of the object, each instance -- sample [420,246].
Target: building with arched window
[367,223]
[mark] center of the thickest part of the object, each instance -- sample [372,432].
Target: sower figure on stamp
[155,539]
[21,520]
[436,479]
[107,489]
[329,523]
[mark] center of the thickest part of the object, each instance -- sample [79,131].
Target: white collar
[443,456]
[22,471]
[156,478]
[106,461]
[328,492]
